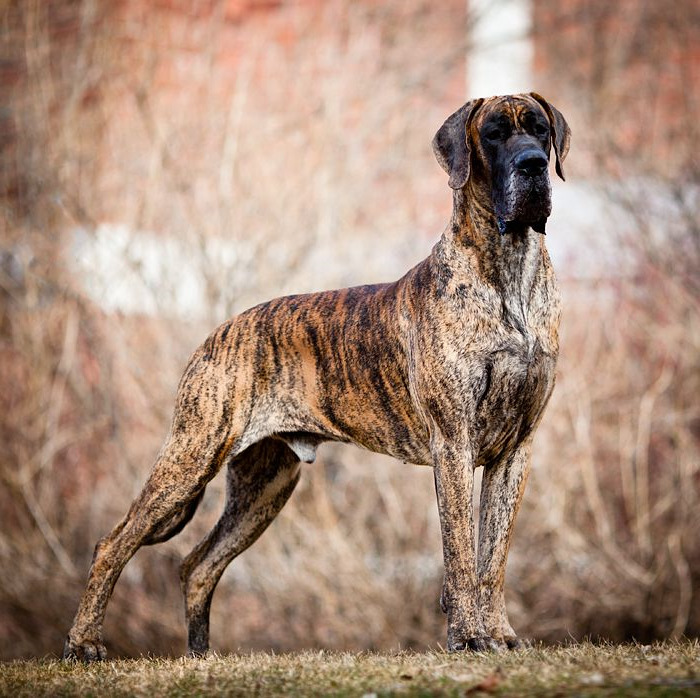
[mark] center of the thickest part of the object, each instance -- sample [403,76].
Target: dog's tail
[173,526]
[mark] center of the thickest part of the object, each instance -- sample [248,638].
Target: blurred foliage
[301,136]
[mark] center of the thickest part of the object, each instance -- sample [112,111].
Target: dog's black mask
[516,144]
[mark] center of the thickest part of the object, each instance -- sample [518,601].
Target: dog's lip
[506,226]
[544,175]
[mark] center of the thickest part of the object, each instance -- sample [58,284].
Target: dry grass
[581,669]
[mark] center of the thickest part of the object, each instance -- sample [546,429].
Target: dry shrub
[286,164]
[319,162]
[609,532]
[613,507]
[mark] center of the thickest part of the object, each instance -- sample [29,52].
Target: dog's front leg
[454,482]
[502,491]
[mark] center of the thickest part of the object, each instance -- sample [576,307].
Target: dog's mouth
[524,201]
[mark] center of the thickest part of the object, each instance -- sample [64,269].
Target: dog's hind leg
[259,482]
[191,456]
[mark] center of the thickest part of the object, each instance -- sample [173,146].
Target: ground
[583,669]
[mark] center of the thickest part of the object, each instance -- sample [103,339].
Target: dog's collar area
[505,226]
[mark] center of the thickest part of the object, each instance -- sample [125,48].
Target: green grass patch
[664,669]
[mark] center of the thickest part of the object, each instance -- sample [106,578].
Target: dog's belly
[516,387]
[322,367]
[376,417]
[364,402]
[380,419]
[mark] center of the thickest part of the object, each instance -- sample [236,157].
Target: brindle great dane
[450,366]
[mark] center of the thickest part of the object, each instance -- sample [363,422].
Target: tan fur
[451,366]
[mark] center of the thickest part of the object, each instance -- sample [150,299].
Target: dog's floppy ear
[451,144]
[562,132]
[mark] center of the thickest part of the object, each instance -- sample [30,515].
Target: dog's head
[504,143]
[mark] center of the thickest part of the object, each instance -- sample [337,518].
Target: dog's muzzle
[525,198]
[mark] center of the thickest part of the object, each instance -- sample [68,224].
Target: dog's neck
[509,262]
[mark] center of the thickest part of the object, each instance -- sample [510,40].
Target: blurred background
[165,164]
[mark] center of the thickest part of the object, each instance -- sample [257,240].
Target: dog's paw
[193,653]
[86,651]
[478,643]
[517,643]
[483,643]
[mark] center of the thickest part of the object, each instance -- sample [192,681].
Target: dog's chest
[515,385]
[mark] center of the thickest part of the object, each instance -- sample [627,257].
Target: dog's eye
[541,130]
[494,133]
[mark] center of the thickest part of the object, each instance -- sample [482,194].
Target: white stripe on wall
[501,56]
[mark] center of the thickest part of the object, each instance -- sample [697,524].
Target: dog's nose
[531,162]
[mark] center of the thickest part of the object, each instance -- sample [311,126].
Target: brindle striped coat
[451,366]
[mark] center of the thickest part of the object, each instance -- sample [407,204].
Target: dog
[451,366]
